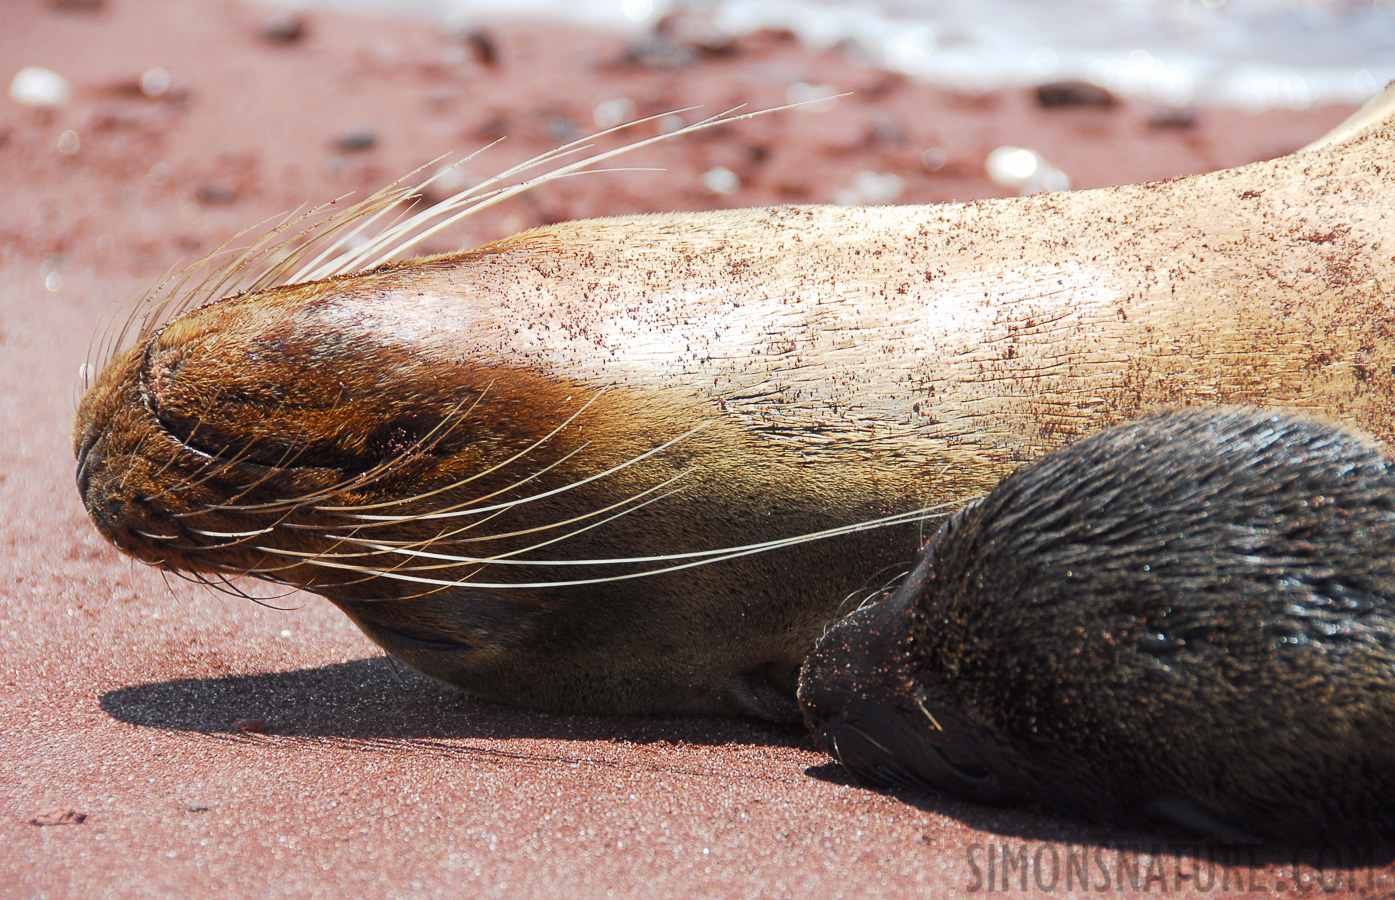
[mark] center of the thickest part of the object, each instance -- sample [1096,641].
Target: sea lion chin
[1188,619]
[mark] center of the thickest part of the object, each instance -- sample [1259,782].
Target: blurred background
[1249,53]
[180,122]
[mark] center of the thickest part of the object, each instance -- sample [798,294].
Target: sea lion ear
[1192,816]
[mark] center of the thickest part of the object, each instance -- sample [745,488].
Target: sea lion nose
[864,706]
[851,693]
[868,707]
[857,665]
[103,506]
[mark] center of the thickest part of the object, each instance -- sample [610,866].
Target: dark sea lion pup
[1190,619]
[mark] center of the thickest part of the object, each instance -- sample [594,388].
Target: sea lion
[579,469]
[1190,618]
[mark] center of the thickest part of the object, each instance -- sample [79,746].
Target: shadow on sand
[375,703]
[376,698]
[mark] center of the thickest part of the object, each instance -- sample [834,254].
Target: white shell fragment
[720,180]
[1025,171]
[870,188]
[36,86]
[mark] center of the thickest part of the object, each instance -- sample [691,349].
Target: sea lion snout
[869,708]
[856,674]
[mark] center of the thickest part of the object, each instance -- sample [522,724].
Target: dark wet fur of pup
[1185,620]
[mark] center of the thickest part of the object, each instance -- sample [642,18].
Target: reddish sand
[181,741]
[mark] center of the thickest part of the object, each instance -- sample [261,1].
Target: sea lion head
[260,436]
[1189,619]
[491,521]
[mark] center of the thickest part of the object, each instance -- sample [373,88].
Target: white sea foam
[1255,54]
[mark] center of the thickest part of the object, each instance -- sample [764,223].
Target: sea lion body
[360,436]
[1188,619]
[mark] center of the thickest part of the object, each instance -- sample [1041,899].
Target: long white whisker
[625,506]
[333,233]
[503,490]
[697,558]
[240,535]
[510,504]
[502,559]
[449,210]
[156,537]
[304,273]
[464,481]
[395,241]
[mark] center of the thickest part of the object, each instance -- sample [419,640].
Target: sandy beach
[165,740]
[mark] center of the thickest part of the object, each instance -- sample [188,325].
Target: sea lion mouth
[882,740]
[883,749]
[433,633]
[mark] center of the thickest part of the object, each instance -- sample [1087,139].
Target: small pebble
[658,51]
[284,28]
[355,140]
[1073,93]
[382,55]
[484,47]
[934,159]
[1025,171]
[69,142]
[1173,117]
[695,32]
[215,194]
[886,129]
[609,113]
[816,98]
[155,82]
[448,181]
[37,86]
[559,128]
[870,187]
[60,815]
[720,180]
